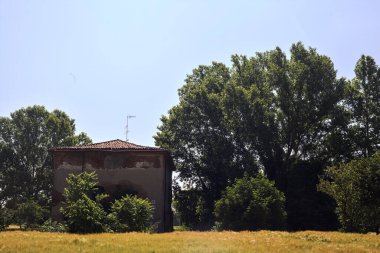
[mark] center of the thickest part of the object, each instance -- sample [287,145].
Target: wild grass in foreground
[262,241]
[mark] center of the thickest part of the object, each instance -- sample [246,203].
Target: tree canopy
[262,113]
[25,163]
[363,104]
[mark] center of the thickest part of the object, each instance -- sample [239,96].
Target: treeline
[288,118]
[271,142]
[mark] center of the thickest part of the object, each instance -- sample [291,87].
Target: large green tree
[283,107]
[266,112]
[363,105]
[25,163]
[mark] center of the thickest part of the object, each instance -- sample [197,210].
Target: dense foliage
[355,186]
[307,208]
[6,217]
[83,214]
[52,226]
[274,113]
[30,214]
[363,105]
[25,163]
[192,210]
[131,213]
[251,203]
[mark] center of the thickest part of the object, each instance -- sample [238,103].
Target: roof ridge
[115,144]
[102,142]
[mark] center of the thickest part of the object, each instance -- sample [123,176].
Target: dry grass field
[262,241]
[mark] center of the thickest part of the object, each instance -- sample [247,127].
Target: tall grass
[262,241]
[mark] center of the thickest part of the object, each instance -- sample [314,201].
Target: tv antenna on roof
[126,127]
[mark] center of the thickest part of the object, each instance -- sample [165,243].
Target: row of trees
[289,117]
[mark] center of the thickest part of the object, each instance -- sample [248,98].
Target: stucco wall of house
[146,174]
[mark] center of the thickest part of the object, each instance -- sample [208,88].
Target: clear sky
[100,61]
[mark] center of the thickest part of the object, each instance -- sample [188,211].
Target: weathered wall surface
[143,173]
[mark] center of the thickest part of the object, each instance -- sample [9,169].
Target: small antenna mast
[126,127]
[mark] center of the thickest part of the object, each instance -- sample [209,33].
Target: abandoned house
[122,168]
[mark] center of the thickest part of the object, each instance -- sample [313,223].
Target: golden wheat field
[262,241]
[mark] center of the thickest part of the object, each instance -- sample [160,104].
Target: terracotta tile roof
[109,145]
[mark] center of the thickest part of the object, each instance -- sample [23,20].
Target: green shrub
[181,228]
[30,214]
[355,186]
[251,203]
[131,213]
[52,226]
[83,214]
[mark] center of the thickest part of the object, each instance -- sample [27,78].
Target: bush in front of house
[251,203]
[84,213]
[85,216]
[131,213]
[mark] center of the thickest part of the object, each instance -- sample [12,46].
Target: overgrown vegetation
[84,212]
[30,214]
[306,207]
[131,213]
[191,208]
[355,186]
[6,217]
[53,226]
[251,203]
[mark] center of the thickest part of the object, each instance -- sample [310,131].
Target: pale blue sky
[100,61]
